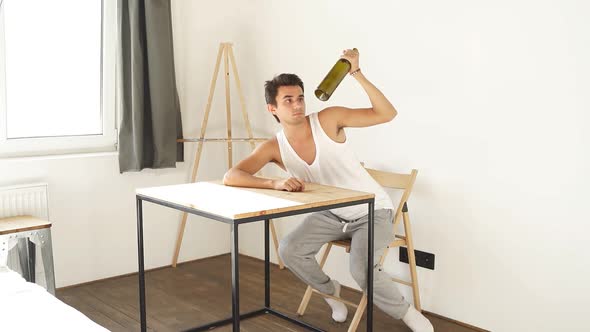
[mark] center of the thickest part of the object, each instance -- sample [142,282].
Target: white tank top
[335,164]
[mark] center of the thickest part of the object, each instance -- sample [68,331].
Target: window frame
[56,145]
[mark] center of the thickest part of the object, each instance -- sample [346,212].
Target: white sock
[416,321]
[339,310]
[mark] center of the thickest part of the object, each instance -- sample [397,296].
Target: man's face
[290,104]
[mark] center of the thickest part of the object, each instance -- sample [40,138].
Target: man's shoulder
[331,111]
[329,114]
[273,141]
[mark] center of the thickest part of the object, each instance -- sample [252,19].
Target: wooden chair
[403,182]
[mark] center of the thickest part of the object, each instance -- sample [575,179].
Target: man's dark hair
[271,88]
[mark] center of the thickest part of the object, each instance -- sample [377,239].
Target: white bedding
[25,306]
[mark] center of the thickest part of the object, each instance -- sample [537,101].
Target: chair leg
[47,256]
[358,314]
[3,250]
[275,241]
[382,260]
[31,259]
[412,261]
[309,290]
[305,301]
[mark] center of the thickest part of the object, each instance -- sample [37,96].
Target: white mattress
[25,306]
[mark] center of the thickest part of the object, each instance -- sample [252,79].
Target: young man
[314,149]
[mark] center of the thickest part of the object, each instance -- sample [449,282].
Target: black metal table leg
[371,231]
[236,316]
[266,265]
[141,266]
[235,279]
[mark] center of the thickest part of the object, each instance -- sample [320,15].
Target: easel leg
[275,241]
[252,145]
[179,239]
[199,150]
[242,100]
[225,51]
[228,106]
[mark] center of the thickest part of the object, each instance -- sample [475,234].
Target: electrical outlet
[423,259]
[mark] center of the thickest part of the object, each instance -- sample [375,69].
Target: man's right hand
[290,184]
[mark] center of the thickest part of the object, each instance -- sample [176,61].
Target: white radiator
[27,199]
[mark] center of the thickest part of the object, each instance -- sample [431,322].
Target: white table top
[239,203]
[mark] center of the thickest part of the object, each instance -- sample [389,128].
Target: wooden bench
[27,232]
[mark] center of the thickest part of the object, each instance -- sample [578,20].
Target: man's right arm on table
[242,174]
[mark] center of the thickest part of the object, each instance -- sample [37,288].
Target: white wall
[92,206]
[493,111]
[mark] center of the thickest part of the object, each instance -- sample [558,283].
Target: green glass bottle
[332,80]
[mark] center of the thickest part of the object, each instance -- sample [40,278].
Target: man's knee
[359,274]
[286,250]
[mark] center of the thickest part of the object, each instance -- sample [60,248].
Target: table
[236,206]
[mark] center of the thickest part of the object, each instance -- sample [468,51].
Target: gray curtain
[150,111]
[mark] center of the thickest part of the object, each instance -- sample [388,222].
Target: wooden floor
[199,292]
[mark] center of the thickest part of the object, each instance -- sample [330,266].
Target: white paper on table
[217,199]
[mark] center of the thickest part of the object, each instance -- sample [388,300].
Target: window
[57,76]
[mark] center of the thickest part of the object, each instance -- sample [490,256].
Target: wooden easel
[225,51]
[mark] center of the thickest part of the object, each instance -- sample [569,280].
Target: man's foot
[416,321]
[339,310]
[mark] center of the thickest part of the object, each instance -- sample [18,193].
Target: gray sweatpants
[298,250]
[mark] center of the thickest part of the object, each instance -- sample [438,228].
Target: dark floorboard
[199,292]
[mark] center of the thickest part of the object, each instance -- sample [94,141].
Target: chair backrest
[399,181]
